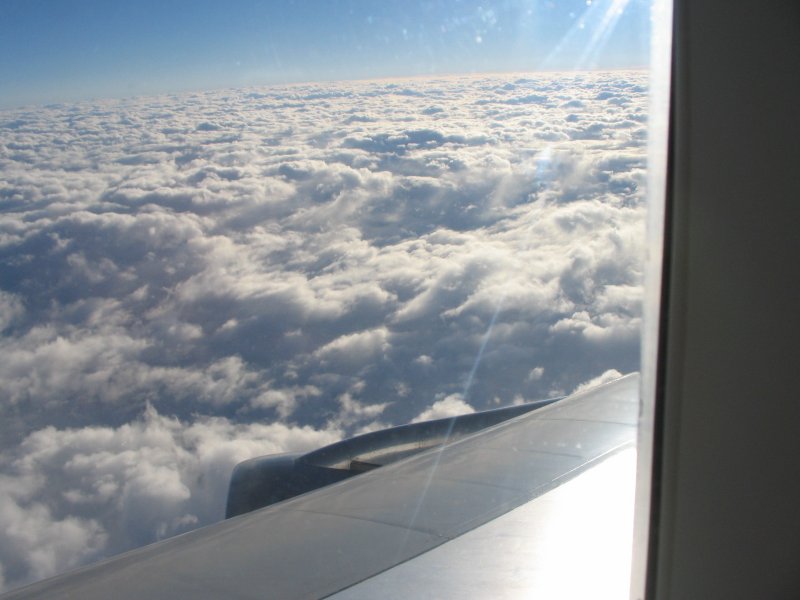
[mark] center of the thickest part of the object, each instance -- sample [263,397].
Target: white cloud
[233,262]
[536,373]
[11,310]
[605,377]
[451,406]
[356,348]
[284,399]
[353,411]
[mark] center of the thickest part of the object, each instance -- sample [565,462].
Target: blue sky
[55,50]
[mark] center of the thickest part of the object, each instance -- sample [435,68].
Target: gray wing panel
[324,541]
[572,542]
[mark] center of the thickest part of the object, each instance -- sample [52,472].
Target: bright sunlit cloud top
[55,50]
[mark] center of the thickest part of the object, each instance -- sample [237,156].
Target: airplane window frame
[723,521]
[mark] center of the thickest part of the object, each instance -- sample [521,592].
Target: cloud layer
[187,281]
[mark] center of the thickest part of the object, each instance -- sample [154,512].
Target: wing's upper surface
[325,541]
[571,542]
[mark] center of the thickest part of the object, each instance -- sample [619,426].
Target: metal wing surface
[330,539]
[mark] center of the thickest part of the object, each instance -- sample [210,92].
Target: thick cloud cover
[188,281]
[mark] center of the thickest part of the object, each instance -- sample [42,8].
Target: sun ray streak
[598,21]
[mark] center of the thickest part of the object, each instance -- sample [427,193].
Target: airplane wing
[475,499]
